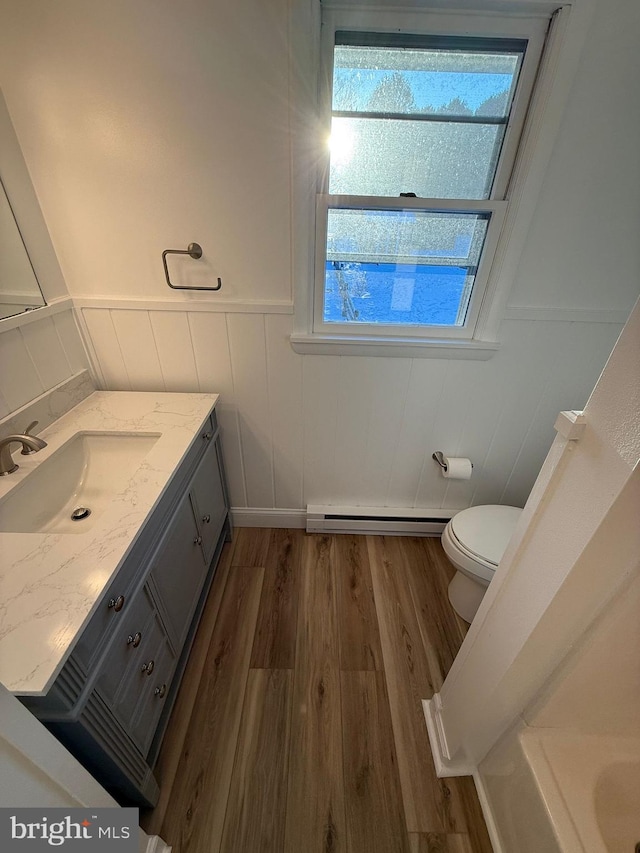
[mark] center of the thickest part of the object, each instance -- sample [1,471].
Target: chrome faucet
[30,444]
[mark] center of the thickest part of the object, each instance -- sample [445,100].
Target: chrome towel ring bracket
[194,250]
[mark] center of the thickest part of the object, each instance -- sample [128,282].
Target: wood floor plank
[169,758]
[274,644]
[431,842]
[255,819]
[373,799]
[357,621]
[445,572]
[420,568]
[315,820]
[195,814]
[225,749]
[427,801]
[251,545]
[443,575]
[441,632]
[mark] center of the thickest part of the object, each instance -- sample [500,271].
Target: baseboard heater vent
[385,521]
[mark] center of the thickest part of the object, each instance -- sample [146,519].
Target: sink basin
[86,473]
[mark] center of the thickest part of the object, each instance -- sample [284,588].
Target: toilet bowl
[474,541]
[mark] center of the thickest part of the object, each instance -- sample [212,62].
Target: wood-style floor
[299,726]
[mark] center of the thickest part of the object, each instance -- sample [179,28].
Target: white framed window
[423,116]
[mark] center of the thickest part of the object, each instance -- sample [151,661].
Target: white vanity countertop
[50,583]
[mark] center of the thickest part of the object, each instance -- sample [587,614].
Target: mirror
[19,288]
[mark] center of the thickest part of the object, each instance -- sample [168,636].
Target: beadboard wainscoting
[301,430]
[38,351]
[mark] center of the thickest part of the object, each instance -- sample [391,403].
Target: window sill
[393,347]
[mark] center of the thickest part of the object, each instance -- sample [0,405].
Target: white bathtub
[590,786]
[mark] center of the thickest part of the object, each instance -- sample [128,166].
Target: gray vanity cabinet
[112,700]
[178,570]
[180,565]
[208,501]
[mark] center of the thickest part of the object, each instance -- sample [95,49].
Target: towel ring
[194,250]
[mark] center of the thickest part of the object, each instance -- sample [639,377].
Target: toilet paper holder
[439,458]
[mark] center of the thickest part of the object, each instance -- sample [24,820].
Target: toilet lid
[485,530]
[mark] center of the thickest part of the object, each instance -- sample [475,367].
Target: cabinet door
[207,495]
[178,571]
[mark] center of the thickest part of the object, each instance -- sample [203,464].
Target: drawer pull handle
[160,691]
[207,436]
[148,667]
[197,540]
[206,519]
[116,603]
[134,639]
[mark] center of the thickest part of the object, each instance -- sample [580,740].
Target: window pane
[424,81]
[430,159]
[394,267]
[456,102]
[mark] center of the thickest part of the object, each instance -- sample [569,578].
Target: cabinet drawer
[133,637]
[178,571]
[207,496]
[110,613]
[151,698]
[141,673]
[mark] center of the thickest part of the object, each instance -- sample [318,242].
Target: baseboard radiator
[387,521]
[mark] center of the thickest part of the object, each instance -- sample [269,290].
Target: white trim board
[317,344]
[438,742]
[388,521]
[487,813]
[56,306]
[566,315]
[258,517]
[155,844]
[445,768]
[191,304]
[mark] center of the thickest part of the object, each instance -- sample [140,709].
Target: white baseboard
[438,742]
[445,767]
[487,813]
[252,517]
[388,521]
[156,845]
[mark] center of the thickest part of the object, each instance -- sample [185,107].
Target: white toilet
[474,541]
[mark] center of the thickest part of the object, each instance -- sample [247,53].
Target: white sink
[87,472]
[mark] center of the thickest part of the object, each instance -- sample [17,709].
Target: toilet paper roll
[458,468]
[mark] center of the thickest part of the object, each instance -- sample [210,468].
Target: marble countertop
[51,583]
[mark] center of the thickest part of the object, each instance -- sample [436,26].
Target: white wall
[35,355]
[576,546]
[147,126]
[596,689]
[150,125]
[345,430]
